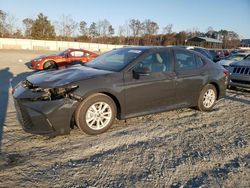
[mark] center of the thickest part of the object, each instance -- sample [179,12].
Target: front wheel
[96,114]
[207,98]
[49,65]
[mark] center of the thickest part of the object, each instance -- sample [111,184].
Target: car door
[149,84]
[190,77]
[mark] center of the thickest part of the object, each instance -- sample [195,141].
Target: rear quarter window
[188,61]
[77,53]
[185,60]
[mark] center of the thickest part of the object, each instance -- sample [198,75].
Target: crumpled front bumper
[34,65]
[49,118]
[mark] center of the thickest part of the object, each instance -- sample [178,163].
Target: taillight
[226,72]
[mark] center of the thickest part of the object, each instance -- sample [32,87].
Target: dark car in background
[232,58]
[235,51]
[217,55]
[122,83]
[200,50]
[240,74]
[226,52]
[203,51]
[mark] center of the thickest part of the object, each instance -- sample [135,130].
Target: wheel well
[117,103]
[217,88]
[49,61]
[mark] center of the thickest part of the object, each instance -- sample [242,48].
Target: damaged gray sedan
[122,83]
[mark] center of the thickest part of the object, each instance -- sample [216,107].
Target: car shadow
[5,78]
[238,99]
[7,81]
[237,92]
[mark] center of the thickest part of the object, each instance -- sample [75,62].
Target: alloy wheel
[209,98]
[98,115]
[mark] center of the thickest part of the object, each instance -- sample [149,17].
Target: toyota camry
[122,83]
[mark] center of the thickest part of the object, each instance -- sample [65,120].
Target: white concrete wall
[7,43]
[245,48]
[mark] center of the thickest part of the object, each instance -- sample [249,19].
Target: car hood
[52,56]
[225,62]
[57,78]
[244,63]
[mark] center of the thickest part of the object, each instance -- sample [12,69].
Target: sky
[183,14]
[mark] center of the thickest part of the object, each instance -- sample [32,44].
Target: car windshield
[236,57]
[62,53]
[115,60]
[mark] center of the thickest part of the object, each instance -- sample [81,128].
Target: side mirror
[66,55]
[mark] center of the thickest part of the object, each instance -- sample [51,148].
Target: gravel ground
[180,148]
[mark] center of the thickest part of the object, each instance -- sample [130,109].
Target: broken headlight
[54,93]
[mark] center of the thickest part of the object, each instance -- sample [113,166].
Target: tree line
[132,32]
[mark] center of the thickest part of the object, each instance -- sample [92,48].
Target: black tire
[49,65]
[85,105]
[202,105]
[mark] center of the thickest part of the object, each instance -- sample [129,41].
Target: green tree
[93,30]
[83,28]
[42,28]
[111,30]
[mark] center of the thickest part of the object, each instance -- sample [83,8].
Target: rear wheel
[49,65]
[96,114]
[207,98]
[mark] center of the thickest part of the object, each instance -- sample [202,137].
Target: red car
[63,58]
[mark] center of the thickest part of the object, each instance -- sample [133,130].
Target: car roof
[147,48]
[144,48]
[76,49]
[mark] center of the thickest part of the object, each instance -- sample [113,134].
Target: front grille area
[241,81]
[23,116]
[241,70]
